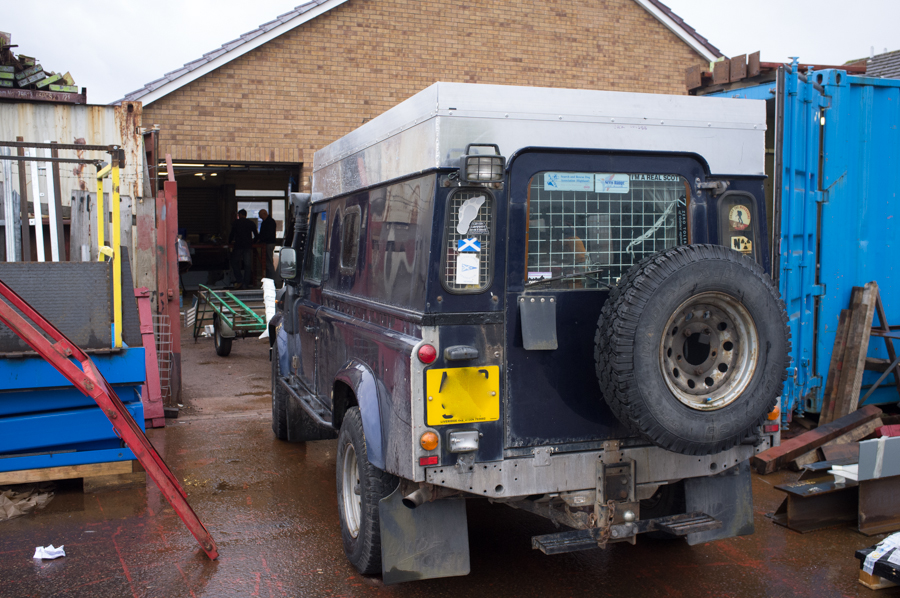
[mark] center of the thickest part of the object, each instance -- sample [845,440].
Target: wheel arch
[355,385]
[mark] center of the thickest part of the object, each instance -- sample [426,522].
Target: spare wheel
[692,349]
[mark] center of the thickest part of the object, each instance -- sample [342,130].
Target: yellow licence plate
[462,395]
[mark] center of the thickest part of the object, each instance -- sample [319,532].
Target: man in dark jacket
[243,234]
[267,236]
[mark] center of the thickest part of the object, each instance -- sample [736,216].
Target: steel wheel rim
[352,498]
[712,378]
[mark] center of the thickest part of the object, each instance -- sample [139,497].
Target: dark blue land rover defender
[555,299]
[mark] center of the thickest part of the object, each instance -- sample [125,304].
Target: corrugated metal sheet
[92,125]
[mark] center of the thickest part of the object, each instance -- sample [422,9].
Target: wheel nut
[687,332]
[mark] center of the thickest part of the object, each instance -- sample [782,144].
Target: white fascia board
[239,51]
[677,30]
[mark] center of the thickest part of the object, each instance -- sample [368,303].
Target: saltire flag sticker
[468,245]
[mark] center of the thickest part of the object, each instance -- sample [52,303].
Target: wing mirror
[287,263]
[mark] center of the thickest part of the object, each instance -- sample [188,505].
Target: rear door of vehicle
[582,219]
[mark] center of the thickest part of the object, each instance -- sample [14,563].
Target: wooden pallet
[96,476]
[873,582]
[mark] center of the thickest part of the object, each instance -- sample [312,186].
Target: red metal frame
[151,395]
[91,382]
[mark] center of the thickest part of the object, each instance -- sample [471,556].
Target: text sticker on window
[467,268]
[467,213]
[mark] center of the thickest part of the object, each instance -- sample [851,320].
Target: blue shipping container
[834,171]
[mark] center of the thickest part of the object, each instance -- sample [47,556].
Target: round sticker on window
[739,217]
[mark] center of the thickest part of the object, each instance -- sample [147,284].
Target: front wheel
[360,486]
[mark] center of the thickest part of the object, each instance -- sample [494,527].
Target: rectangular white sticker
[611,183]
[568,181]
[467,268]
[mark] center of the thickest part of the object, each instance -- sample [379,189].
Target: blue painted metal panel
[840,226]
[46,422]
[125,367]
[861,210]
[63,459]
[70,428]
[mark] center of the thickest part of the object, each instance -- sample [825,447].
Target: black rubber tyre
[279,400]
[361,533]
[223,345]
[730,369]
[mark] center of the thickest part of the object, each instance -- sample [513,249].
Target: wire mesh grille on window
[479,229]
[584,231]
[162,330]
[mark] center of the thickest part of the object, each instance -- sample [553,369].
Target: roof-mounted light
[481,167]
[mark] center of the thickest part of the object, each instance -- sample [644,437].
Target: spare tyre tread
[615,338]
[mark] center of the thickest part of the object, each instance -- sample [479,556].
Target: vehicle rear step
[677,525]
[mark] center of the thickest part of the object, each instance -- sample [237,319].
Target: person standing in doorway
[243,234]
[267,236]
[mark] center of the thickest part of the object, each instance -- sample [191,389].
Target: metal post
[9,217]
[55,223]
[38,211]
[56,198]
[116,234]
[23,204]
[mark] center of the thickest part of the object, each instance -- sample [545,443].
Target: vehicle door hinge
[817,290]
[715,187]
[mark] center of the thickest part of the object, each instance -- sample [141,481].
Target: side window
[588,228]
[468,241]
[737,222]
[314,267]
[350,241]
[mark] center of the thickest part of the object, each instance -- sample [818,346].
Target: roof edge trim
[683,34]
[237,52]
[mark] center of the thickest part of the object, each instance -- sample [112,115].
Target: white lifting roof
[432,128]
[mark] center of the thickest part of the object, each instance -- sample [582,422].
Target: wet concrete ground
[271,507]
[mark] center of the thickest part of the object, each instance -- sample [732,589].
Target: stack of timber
[724,73]
[841,424]
[26,72]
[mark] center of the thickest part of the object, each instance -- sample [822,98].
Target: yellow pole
[116,228]
[101,221]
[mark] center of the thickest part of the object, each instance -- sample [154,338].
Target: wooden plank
[753,64]
[834,369]
[738,68]
[855,356]
[29,476]
[774,458]
[873,582]
[885,327]
[721,72]
[852,436]
[693,77]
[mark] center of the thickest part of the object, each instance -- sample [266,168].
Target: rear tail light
[432,460]
[427,354]
[429,441]
[770,428]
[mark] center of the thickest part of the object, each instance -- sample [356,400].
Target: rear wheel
[692,348]
[223,344]
[360,486]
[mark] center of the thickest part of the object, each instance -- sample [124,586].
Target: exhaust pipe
[414,499]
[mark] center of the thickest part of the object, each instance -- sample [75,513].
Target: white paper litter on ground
[268,286]
[48,552]
[850,472]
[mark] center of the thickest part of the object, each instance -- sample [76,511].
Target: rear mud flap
[727,497]
[427,542]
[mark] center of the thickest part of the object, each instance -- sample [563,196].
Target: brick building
[242,122]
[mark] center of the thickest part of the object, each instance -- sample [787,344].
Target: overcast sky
[115,48]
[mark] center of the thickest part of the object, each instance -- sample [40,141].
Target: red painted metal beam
[151,394]
[91,382]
